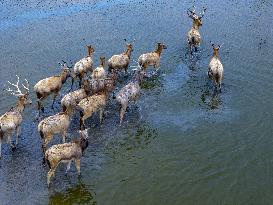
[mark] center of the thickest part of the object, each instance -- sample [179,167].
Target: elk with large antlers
[11,120]
[85,64]
[152,58]
[216,69]
[194,36]
[66,153]
[121,61]
[52,85]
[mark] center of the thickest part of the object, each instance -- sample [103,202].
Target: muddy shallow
[179,145]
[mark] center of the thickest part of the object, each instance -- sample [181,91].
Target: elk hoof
[43,110]
[13,148]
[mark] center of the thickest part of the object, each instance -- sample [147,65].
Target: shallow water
[180,145]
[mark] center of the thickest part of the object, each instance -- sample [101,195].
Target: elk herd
[95,88]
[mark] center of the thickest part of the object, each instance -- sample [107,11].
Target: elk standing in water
[130,92]
[66,153]
[99,72]
[216,69]
[97,101]
[52,85]
[85,64]
[52,125]
[194,36]
[11,120]
[121,61]
[152,58]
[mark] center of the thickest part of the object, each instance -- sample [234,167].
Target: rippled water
[180,145]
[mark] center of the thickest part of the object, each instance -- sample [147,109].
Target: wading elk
[97,101]
[99,72]
[85,64]
[52,125]
[152,58]
[194,36]
[52,85]
[130,92]
[121,61]
[11,120]
[216,69]
[66,153]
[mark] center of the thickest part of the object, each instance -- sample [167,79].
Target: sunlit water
[180,144]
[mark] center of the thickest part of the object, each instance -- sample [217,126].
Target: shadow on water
[78,194]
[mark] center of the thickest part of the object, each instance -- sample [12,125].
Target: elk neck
[216,53]
[128,52]
[20,106]
[64,76]
[159,50]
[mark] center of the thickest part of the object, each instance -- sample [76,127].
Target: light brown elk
[152,58]
[216,69]
[99,72]
[52,85]
[121,61]
[55,124]
[11,120]
[66,153]
[130,92]
[97,101]
[71,99]
[85,64]
[194,36]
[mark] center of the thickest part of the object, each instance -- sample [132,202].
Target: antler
[202,14]
[17,92]
[192,13]
[219,46]
[26,87]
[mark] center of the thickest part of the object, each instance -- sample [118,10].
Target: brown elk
[121,61]
[216,69]
[152,58]
[84,65]
[194,36]
[52,85]
[99,72]
[55,124]
[130,92]
[97,101]
[66,153]
[11,120]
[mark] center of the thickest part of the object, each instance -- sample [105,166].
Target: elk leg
[122,113]
[68,167]
[50,173]
[18,134]
[101,115]
[10,142]
[78,165]
[64,136]
[0,147]
[54,98]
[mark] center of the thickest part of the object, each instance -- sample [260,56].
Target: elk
[52,125]
[52,85]
[84,65]
[194,36]
[152,58]
[216,69]
[71,99]
[97,101]
[11,120]
[99,72]
[130,92]
[121,61]
[66,153]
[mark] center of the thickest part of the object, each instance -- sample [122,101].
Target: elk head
[216,48]
[90,50]
[67,72]
[197,19]
[102,61]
